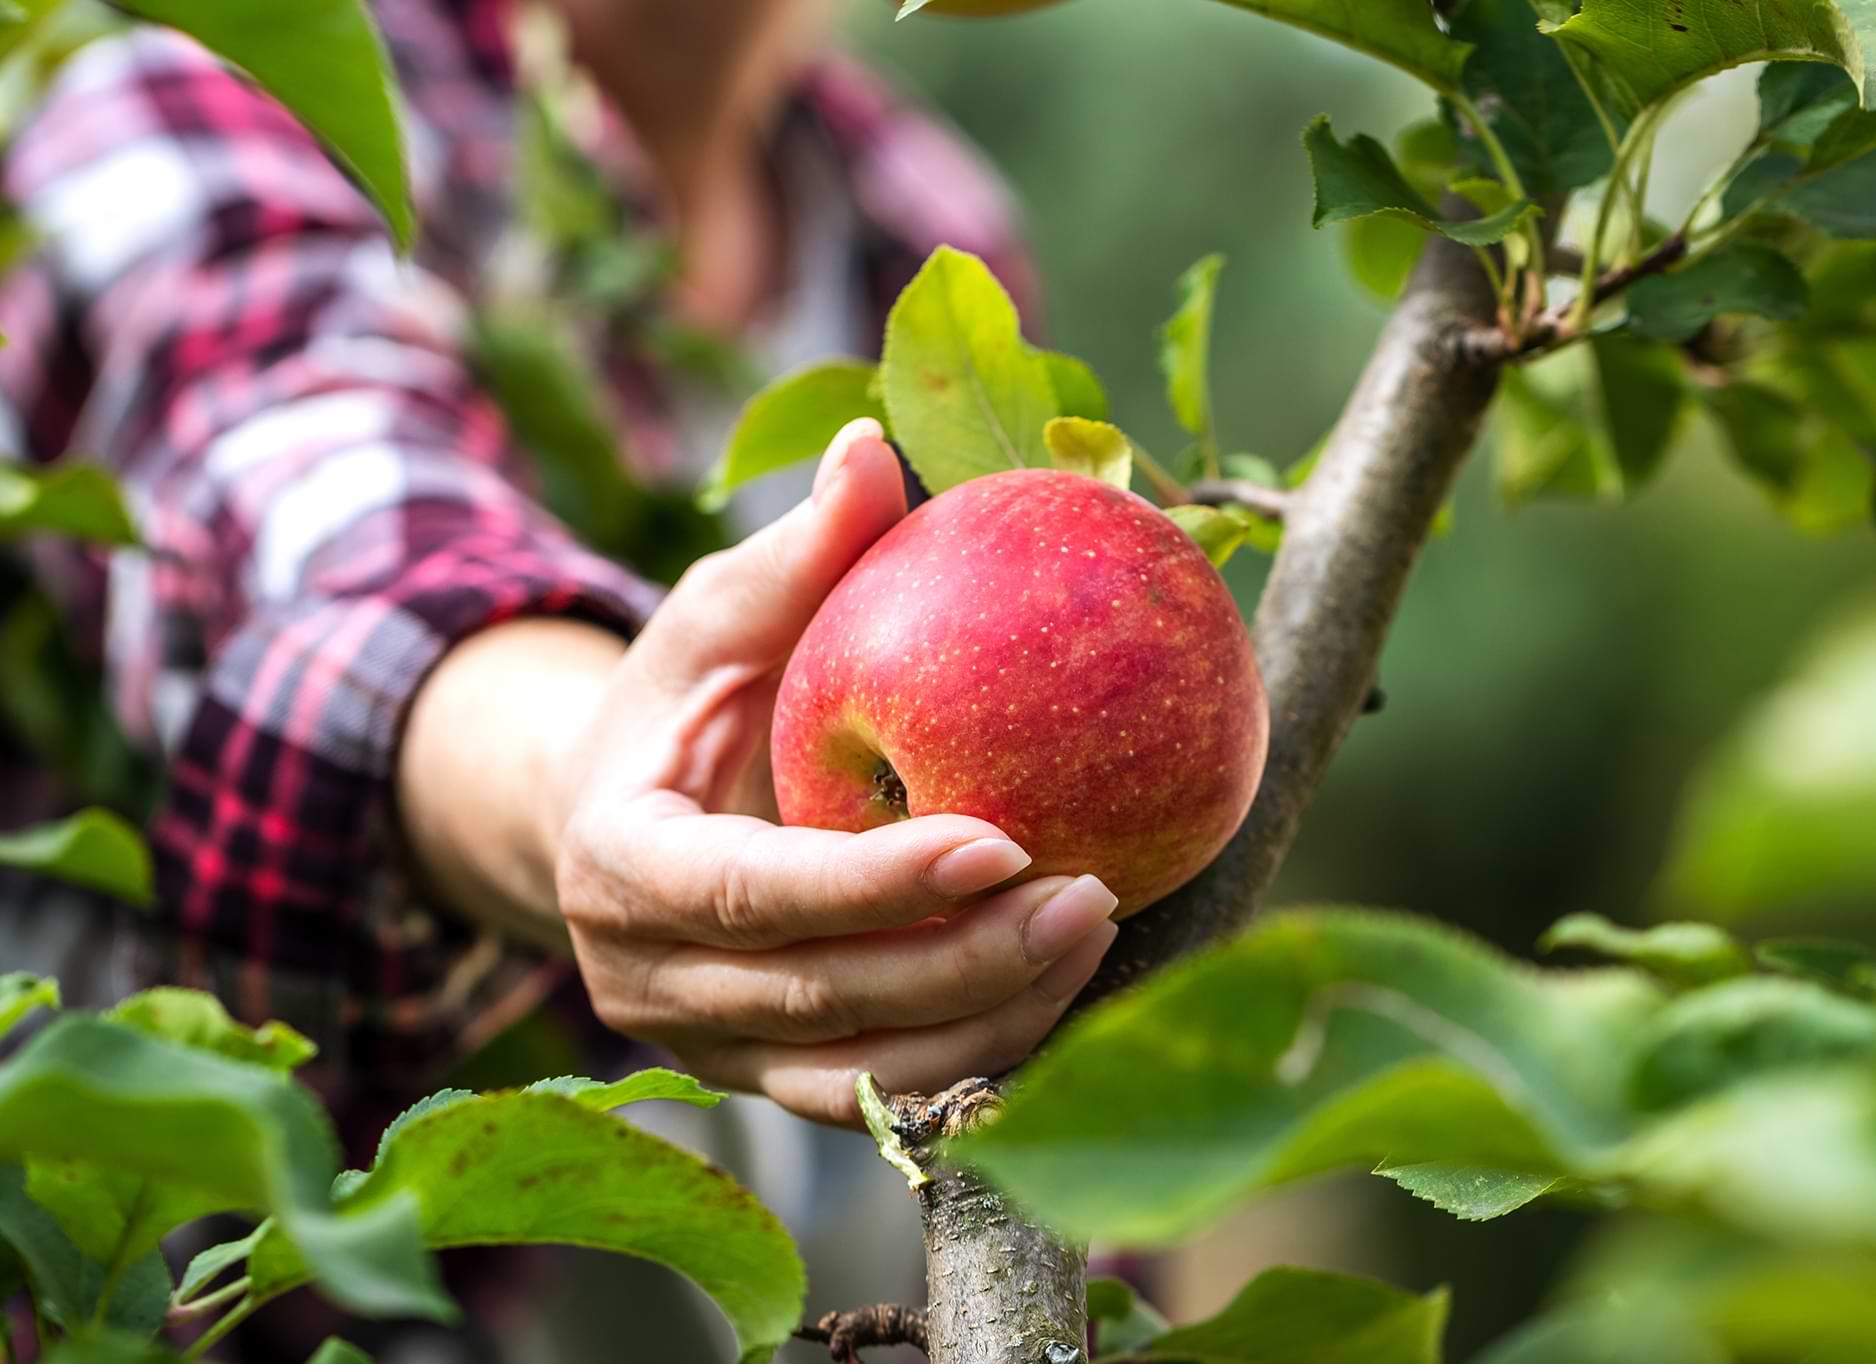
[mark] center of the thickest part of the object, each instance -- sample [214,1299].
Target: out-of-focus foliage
[117,1129]
[1783,814]
[1742,1101]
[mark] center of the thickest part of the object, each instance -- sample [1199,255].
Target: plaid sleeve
[326,498]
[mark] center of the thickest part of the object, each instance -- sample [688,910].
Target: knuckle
[589,894]
[737,906]
[977,983]
[812,1009]
[628,1003]
[577,878]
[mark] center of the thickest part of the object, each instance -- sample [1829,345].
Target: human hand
[786,960]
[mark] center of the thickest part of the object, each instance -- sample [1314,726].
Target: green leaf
[1651,49]
[1123,1321]
[1400,32]
[21,993]
[794,419]
[1680,954]
[349,1181]
[1522,82]
[1709,1156]
[1468,1192]
[336,1351]
[94,848]
[1840,199]
[197,1019]
[1742,1029]
[1219,531]
[545,1168]
[76,499]
[654,1082]
[1317,1040]
[1821,165]
[1078,390]
[1588,422]
[1357,178]
[1697,1294]
[111,1213]
[1185,345]
[1845,966]
[1741,278]
[218,1134]
[1779,814]
[67,1282]
[323,60]
[1091,448]
[1813,473]
[1799,100]
[1381,252]
[210,1264]
[1289,1316]
[965,393]
[1644,392]
[1851,137]
[1604,1332]
[110,1347]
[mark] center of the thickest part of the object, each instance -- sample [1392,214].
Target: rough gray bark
[1002,1291]
[999,1289]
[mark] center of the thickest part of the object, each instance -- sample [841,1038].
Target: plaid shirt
[327,498]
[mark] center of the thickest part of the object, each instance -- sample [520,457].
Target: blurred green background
[1557,672]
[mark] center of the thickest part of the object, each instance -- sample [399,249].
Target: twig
[845,1334]
[1493,345]
[1565,261]
[208,1302]
[1269,503]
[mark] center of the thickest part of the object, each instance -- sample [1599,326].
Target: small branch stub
[883,1123]
[845,1334]
[1494,345]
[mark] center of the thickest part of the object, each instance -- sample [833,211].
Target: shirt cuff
[271,841]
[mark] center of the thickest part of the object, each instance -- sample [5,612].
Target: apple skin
[1044,651]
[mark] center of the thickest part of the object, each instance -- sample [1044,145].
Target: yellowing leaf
[1092,448]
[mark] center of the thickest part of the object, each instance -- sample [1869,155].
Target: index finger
[678,874]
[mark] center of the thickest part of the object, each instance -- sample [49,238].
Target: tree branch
[1351,536]
[1269,503]
[1493,345]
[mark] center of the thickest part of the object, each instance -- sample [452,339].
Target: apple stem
[1269,503]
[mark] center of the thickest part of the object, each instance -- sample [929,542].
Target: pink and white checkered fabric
[327,498]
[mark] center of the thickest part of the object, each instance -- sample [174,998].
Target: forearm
[480,768]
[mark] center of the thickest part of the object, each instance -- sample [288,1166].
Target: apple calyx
[889,790]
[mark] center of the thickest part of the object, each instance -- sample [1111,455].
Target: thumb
[749,604]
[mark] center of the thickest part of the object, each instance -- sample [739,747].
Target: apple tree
[1712,1095]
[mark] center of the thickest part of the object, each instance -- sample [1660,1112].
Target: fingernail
[1065,979]
[840,449]
[1066,918]
[974,866]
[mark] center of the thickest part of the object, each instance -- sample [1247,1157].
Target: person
[422,750]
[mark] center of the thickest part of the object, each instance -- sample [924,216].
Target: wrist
[484,773]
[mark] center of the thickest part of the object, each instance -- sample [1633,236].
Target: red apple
[1044,651]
